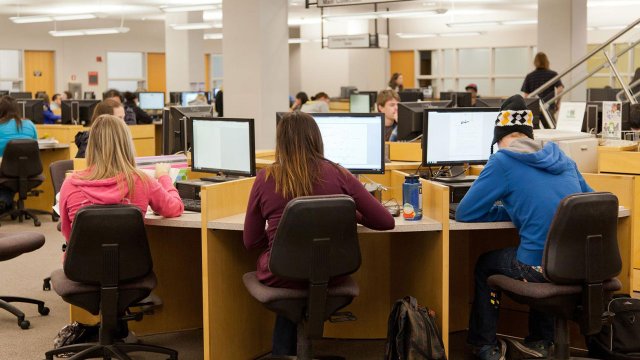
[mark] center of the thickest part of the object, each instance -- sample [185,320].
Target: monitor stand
[462,178]
[220,178]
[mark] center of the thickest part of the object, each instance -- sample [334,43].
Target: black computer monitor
[459,99]
[457,136]
[410,95]
[4,92]
[223,146]
[489,102]
[410,118]
[21,95]
[345,91]
[175,126]
[77,111]
[359,103]
[592,121]
[89,95]
[602,94]
[151,100]
[355,141]
[31,109]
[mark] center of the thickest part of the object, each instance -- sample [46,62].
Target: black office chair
[581,260]
[316,240]
[21,172]
[107,268]
[12,245]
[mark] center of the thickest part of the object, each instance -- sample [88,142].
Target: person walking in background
[539,77]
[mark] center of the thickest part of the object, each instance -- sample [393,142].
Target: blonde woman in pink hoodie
[111,177]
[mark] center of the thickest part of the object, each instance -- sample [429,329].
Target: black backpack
[412,333]
[621,339]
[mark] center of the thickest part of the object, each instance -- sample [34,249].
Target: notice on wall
[348,41]
[612,119]
[571,115]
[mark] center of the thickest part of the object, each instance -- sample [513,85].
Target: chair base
[21,214]
[24,324]
[116,351]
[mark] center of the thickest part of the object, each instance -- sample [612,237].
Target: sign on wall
[93,78]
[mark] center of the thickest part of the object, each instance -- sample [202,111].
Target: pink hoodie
[76,193]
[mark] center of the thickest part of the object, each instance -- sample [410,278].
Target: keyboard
[618,143]
[191,205]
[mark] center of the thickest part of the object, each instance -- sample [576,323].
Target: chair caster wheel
[37,223]
[55,218]
[46,285]
[43,310]
[24,324]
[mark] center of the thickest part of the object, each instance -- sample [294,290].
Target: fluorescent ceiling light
[304,21]
[410,13]
[519,22]
[298,41]
[212,36]
[469,33]
[192,26]
[212,15]
[414,35]
[217,26]
[475,23]
[347,17]
[187,8]
[610,3]
[49,18]
[96,31]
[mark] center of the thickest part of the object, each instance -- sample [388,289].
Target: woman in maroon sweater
[300,169]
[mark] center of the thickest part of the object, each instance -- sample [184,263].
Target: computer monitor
[4,92]
[31,109]
[602,94]
[410,95]
[89,95]
[355,141]
[21,95]
[223,146]
[489,102]
[373,97]
[345,91]
[359,103]
[175,125]
[40,94]
[175,97]
[188,97]
[459,99]
[410,118]
[457,136]
[151,100]
[77,111]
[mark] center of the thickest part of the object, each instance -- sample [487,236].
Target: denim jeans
[486,303]
[285,337]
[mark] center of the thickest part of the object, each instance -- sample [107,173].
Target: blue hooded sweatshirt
[530,181]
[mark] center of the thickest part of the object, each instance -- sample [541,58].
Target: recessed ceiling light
[95,31]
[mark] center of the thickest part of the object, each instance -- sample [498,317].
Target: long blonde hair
[110,153]
[299,152]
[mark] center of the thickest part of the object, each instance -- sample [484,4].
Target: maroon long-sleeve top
[265,205]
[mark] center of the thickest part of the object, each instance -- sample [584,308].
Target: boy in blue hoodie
[530,180]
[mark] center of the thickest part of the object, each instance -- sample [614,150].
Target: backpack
[412,333]
[621,339]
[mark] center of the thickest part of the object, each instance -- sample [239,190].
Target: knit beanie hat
[513,117]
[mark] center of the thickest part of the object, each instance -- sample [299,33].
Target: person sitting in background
[131,100]
[67,95]
[49,116]
[473,89]
[219,103]
[56,102]
[200,99]
[318,104]
[387,103]
[300,170]
[530,179]
[12,127]
[396,83]
[129,114]
[301,99]
[104,107]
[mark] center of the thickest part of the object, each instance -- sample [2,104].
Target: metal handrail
[549,83]
[631,86]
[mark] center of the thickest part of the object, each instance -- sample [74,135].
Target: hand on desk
[162,169]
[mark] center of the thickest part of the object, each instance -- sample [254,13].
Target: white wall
[77,55]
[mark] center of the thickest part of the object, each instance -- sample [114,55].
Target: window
[125,70]
[10,70]
[216,71]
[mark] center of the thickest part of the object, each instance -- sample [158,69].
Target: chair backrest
[58,170]
[316,239]
[98,226]
[21,158]
[582,243]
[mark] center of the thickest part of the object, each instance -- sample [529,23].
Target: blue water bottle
[412,198]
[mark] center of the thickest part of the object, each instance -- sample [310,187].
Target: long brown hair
[541,61]
[110,153]
[299,153]
[9,110]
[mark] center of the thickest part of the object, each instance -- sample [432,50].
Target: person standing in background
[396,83]
[539,77]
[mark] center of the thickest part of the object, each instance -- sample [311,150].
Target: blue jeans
[483,322]
[285,337]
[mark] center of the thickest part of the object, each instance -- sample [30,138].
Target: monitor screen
[222,145]
[410,118]
[151,100]
[31,109]
[188,97]
[410,95]
[175,135]
[355,141]
[459,99]
[21,95]
[458,136]
[359,103]
[77,111]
